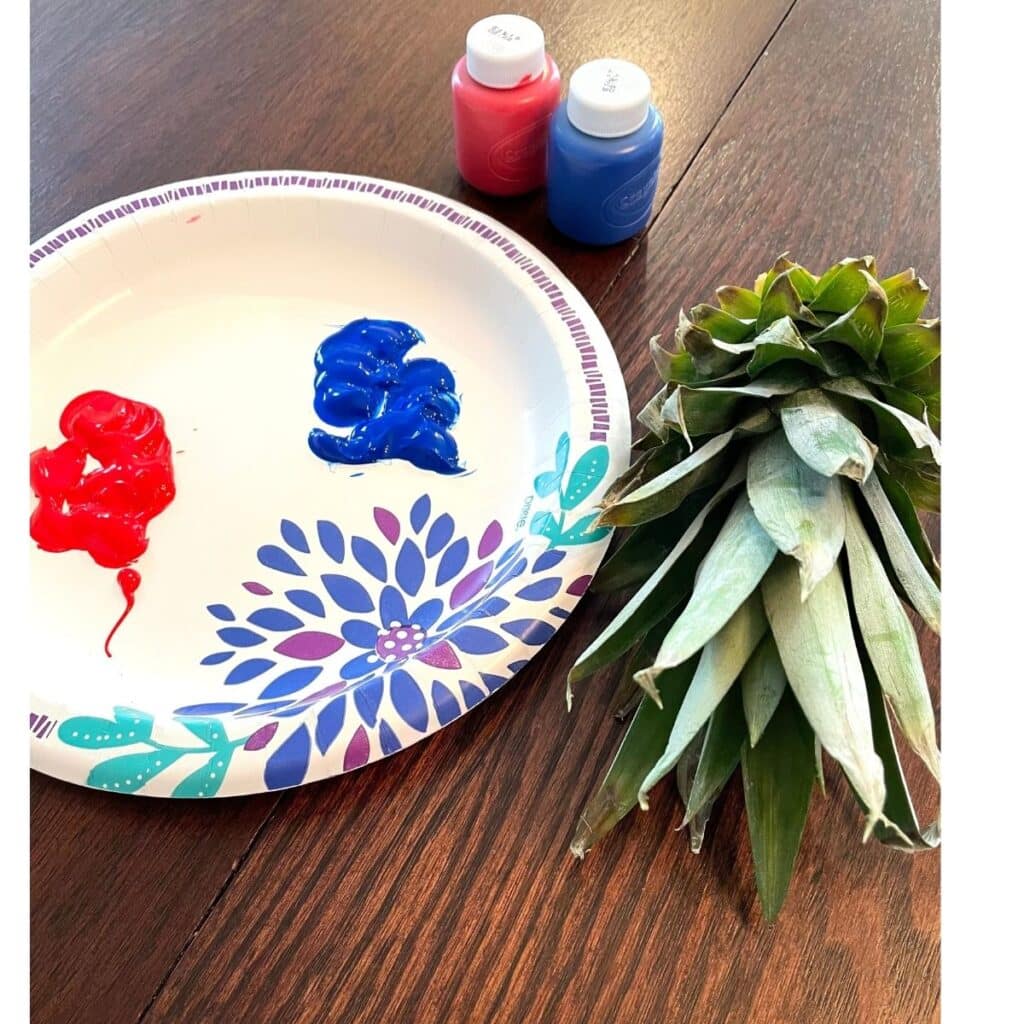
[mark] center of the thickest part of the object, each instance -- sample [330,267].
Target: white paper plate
[252,659]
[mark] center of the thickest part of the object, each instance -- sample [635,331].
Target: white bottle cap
[608,98]
[505,50]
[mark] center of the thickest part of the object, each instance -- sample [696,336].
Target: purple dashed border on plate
[599,412]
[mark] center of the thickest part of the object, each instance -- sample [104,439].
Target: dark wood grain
[128,95]
[437,886]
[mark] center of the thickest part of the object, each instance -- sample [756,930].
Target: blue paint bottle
[604,149]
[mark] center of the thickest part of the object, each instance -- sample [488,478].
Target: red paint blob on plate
[103,509]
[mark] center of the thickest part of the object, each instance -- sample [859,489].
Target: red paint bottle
[504,92]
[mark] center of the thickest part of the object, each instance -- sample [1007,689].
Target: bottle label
[631,202]
[514,158]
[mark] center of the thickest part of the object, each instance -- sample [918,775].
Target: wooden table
[437,886]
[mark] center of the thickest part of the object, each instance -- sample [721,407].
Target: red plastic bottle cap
[505,51]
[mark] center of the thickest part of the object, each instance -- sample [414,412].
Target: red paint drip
[106,510]
[128,580]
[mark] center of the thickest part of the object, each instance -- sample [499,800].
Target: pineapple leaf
[673,365]
[647,734]
[762,684]
[719,754]
[650,415]
[778,775]
[842,286]
[909,347]
[647,547]
[913,577]
[907,515]
[901,433]
[861,328]
[730,572]
[818,651]
[709,359]
[824,438]
[907,295]
[740,302]
[801,510]
[656,598]
[721,661]
[696,414]
[779,380]
[905,832]
[722,325]
[781,299]
[666,492]
[781,341]
[919,479]
[819,765]
[926,383]
[890,641]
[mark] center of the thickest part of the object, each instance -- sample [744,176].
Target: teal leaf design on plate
[129,772]
[586,476]
[87,732]
[547,483]
[208,730]
[544,524]
[205,781]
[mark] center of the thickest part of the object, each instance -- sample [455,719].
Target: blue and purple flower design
[351,616]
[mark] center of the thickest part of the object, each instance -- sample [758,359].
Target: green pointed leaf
[802,280]
[781,299]
[927,384]
[650,463]
[900,432]
[698,414]
[674,365]
[647,547]
[904,832]
[842,286]
[778,775]
[907,515]
[921,480]
[730,572]
[650,415]
[910,347]
[801,510]
[627,694]
[130,772]
[862,327]
[710,359]
[890,641]
[719,753]
[762,684]
[721,661]
[720,324]
[666,492]
[781,341]
[819,767]
[662,592]
[644,740]
[824,438]
[817,648]
[917,584]
[907,295]
[740,302]
[785,379]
